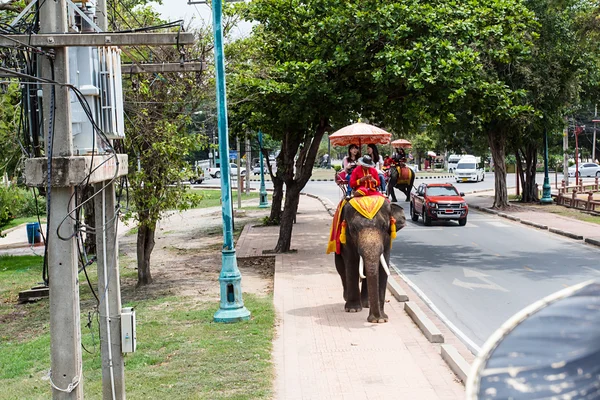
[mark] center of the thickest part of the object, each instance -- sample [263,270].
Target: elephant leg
[375,314]
[341,269]
[383,278]
[391,191]
[364,294]
[352,289]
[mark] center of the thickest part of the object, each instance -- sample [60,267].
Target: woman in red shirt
[365,178]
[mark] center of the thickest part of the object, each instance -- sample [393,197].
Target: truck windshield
[465,166]
[442,191]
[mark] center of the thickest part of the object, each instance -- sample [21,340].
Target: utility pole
[565,153]
[66,374]
[239,173]
[594,140]
[59,171]
[109,280]
[248,164]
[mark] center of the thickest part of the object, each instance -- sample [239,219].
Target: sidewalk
[536,217]
[322,352]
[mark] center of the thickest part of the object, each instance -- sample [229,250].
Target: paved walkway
[322,352]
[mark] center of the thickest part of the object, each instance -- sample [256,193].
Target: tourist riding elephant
[401,178]
[365,253]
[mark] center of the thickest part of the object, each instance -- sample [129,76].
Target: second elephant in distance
[367,251]
[401,178]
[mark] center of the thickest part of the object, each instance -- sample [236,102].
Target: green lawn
[181,353]
[212,198]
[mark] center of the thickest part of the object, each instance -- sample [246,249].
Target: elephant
[403,183]
[366,254]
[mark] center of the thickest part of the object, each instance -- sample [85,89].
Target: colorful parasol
[359,134]
[401,143]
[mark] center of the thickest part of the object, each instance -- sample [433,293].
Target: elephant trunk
[370,250]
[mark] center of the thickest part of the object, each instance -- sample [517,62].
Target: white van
[468,170]
[452,161]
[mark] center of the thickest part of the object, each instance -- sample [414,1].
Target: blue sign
[233,154]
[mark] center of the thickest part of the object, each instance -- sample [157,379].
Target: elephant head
[365,255]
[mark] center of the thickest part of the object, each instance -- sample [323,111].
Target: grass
[212,198]
[181,353]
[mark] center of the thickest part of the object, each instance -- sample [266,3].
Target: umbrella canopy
[548,350]
[401,143]
[359,134]
[431,153]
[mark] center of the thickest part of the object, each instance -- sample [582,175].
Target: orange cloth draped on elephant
[364,181]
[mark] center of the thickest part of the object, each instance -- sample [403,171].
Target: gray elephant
[366,254]
[401,178]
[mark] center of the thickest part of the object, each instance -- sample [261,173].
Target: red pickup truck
[438,201]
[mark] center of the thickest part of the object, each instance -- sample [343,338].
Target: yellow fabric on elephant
[336,227]
[404,175]
[367,206]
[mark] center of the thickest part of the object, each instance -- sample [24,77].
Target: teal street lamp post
[264,203]
[546,188]
[231,308]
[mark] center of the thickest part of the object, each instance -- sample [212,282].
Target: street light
[546,189]
[263,192]
[231,306]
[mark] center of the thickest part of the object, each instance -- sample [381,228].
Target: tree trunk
[497,142]
[145,245]
[292,199]
[303,170]
[89,219]
[275,217]
[530,190]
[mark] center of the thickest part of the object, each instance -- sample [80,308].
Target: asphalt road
[479,275]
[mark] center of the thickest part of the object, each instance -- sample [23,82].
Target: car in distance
[438,202]
[467,170]
[586,169]
[256,170]
[216,172]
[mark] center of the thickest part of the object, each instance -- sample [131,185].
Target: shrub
[18,202]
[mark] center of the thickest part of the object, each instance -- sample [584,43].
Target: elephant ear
[398,214]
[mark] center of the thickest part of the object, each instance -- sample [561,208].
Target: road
[479,275]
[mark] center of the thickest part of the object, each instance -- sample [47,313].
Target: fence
[573,200]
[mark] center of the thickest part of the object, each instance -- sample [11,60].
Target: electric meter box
[128,335]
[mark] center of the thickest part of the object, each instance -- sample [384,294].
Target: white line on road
[465,339]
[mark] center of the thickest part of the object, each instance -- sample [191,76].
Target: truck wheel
[462,222]
[218,174]
[426,218]
[413,215]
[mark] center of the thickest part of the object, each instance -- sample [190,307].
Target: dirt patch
[187,259]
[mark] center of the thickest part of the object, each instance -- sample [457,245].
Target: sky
[197,14]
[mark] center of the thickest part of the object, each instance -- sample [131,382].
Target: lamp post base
[546,192]
[264,203]
[231,307]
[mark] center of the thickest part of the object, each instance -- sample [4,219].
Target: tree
[159,109]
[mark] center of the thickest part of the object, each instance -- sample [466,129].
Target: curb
[431,332]
[593,242]
[565,233]
[396,290]
[534,224]
[455,361]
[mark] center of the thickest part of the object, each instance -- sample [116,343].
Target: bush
[18,202]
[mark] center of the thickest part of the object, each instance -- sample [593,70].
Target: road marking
[592,269]
[471,273]
[498,224]
[475,349]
